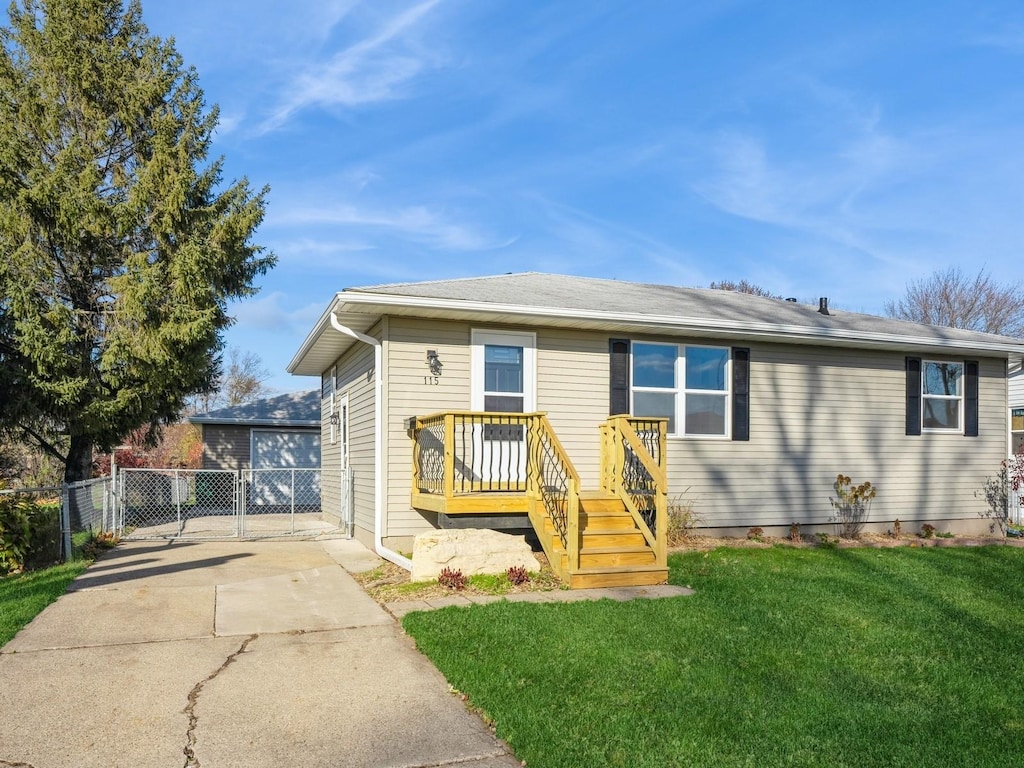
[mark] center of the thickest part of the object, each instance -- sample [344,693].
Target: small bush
[517,575]
[682,520]
[15,531]
[896,528]
[756,534]
[996,492]
[450,579]
[852,504]
[794,533]
[927,531]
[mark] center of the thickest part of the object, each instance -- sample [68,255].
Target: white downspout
[378,442]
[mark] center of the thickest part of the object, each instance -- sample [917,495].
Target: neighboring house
[1017,410]
[432,395]
[276,432]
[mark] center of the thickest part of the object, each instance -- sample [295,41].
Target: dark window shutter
[618,365]
[913,395]
[971,398]
[740,393]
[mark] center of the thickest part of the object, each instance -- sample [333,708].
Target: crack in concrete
[191,761]
[9,764]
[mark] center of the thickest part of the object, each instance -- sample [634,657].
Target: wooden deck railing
[633,468]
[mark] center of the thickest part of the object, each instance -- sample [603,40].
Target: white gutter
[378,442]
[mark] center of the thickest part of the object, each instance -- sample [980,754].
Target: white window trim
[528,341]
[680,392]
[959,398]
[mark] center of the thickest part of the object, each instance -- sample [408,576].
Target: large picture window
[942,396]
[688,385]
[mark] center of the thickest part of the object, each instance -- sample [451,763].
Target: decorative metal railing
[556,484]
[460,452]
[633,468]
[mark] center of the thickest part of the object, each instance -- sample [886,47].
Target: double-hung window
[942,396]
[688,385]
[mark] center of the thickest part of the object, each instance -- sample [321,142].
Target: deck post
[449,455]
[416,455]
[572,534]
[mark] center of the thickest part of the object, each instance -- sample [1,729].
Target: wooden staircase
[613,551]
[613,537]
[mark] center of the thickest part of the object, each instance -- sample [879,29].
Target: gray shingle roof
[540,290]
[296,409]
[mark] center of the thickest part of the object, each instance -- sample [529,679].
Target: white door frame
[501,461]
[479,337]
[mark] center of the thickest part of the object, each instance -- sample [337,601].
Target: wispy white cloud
[372,70]
[417,222]
[270,313]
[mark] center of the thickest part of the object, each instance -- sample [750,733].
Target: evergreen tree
[119,244]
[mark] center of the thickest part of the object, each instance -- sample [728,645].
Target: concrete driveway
[222,654]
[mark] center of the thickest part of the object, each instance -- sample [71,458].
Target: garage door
[277,449]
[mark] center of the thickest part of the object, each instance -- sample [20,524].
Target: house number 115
[432,380]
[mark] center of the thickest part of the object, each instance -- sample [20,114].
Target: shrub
[852,504]
[755,534]
[927,531]
[517,575]
[794,533]
[452,579]
[682,520]
[15,531]
[996,491]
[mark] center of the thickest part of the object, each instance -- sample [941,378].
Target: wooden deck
[611,536]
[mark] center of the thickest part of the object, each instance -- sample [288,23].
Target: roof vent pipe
[823,305]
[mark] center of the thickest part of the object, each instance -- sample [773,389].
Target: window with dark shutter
[913,396]
[971,398]
[618,364]
[740,393]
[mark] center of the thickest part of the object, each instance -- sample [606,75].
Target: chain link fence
[58,522]
[278,502]
[176,503]
[195,503]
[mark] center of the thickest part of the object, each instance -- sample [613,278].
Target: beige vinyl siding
[226,446]
[408,395]
[572,388]
[1017,390]
[354,378]
[816,412]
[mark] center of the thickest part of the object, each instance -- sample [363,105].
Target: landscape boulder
[471,551]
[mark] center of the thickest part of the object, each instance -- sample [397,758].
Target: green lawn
[24,595]
[784,657]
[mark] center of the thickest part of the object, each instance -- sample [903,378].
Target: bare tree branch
[953,299]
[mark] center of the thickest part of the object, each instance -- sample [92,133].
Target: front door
[504,375]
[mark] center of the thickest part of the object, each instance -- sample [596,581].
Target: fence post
[65,520]
[293,500]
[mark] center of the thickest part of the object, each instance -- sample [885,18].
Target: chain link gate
[209,504]
[276,502]
[177,503]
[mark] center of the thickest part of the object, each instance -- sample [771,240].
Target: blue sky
[835,149]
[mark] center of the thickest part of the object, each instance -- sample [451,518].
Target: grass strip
[24,595]
[784,657]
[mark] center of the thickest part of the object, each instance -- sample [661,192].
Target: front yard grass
[23,595]
[784,657]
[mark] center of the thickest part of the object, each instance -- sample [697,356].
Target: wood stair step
[613,537]
[628,576]
[616,556]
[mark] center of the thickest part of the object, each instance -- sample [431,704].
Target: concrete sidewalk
[223,654]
